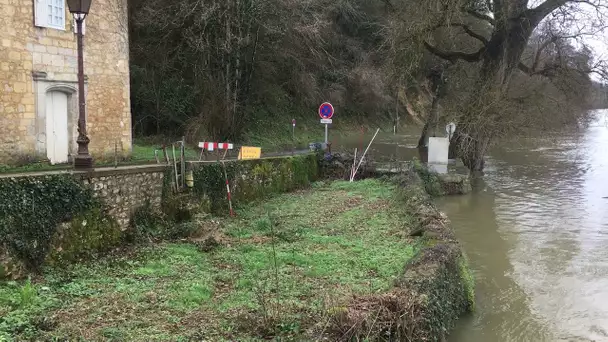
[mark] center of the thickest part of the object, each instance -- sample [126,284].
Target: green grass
[272,135]
[276,135]
[283,266]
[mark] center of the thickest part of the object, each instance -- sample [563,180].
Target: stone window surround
[42,86]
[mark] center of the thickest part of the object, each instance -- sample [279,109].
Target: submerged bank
[371,259]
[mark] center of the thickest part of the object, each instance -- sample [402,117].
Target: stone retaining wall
[121,189]
[125,190]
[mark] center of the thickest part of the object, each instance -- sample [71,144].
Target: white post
[326,133]
[352,169]
[365,153]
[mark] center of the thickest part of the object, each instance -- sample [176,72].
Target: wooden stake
[182,157]
[175,169]
[228,189]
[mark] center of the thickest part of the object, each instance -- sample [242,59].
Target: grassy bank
[280,269]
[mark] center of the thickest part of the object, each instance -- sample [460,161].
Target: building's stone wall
[33,59]
[125,190]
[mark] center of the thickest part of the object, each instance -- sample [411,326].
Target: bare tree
[511,24]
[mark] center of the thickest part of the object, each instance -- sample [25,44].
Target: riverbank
[311,264]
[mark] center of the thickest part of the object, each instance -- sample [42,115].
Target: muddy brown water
[536,233]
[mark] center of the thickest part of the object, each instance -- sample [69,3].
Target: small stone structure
[455,184]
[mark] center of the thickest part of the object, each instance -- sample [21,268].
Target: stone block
[455,184]
[25,48]
[27,65]
[8,10]
[57,61]
[19,87]
[14,55]
[47,59]
[46,42]
[37,58]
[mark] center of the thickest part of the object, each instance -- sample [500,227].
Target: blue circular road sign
[326,111]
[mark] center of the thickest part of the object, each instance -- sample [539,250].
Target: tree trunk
[438,90]
[430,127]
[481,121]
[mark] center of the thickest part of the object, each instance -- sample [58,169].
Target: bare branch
[480,16]
[472,33]
[537,14]
[525,68]
[453,56]
[541,49]
[544,9]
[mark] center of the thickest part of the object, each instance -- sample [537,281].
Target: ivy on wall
[253,179]
[32,210]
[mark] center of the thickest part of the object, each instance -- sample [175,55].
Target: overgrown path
[280,269]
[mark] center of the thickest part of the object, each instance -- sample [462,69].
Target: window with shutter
[50,13]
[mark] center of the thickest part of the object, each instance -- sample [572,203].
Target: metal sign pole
[326,112]
[293,136]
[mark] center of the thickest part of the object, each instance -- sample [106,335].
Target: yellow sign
[250,153]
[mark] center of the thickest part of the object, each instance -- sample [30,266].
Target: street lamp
[83,160]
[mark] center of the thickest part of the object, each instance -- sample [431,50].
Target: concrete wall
[34,60]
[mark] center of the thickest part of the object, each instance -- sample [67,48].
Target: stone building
[38,79]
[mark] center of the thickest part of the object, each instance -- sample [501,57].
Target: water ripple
[538,241]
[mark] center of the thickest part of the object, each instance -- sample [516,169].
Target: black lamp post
[83,160]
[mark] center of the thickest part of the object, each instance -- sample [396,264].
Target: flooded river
[536,233]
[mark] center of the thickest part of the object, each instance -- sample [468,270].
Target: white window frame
[41,10]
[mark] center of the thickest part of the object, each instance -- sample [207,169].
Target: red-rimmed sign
[326,111]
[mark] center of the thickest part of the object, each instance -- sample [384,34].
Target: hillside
[241,70]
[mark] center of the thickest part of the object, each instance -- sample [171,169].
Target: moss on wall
[440,272]
[442,184]
[86,235]
[52,215]
[251,179]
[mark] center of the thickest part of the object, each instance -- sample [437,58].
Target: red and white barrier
[210,146]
